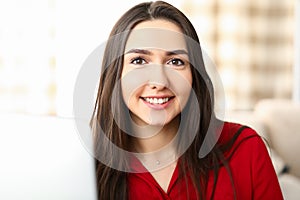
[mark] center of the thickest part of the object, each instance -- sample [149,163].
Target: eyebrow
[147,52]
[177,52]
[141,51]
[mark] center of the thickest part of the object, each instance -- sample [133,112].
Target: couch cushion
[290,186]
[282,118]
[248,118]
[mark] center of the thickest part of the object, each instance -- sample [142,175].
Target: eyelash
[134,60]
[178,60]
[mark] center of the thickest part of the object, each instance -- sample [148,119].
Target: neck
[155,137]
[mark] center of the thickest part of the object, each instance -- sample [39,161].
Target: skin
[159,70]
[156,66]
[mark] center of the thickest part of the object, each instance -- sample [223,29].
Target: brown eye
[176,62]
[138,61]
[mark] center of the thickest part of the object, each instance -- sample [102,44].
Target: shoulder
[249,161]
[238,137]
[231,130]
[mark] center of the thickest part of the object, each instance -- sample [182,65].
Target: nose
[158,78]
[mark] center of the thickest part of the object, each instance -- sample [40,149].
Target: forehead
[160,34]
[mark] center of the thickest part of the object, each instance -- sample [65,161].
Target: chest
[144,186]
[163,177]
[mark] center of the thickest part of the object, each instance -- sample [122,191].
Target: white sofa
[43,157]
[278,121]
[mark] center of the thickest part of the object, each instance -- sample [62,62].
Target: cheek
[131,84]
[182,86]
[181,83]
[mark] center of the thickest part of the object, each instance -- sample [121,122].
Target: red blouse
[251,168]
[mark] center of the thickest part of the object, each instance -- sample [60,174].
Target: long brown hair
[112,183]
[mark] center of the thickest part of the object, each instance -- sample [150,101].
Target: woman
[156,135]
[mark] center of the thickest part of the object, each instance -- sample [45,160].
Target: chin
[159,122]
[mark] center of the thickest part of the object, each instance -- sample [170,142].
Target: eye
[138,61]
[176,62]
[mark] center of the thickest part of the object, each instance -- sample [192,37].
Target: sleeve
[264,179]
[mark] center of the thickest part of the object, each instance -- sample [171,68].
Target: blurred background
[43,44]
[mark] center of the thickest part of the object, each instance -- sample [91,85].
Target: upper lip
[158,96]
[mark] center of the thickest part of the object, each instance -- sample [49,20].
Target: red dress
[252,172]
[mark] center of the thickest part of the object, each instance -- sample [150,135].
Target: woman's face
[156,77]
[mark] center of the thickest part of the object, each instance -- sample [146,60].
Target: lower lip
[158,106]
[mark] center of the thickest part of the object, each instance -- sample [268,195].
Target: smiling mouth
[157,101]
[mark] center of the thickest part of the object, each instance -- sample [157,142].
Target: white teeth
[157,100]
